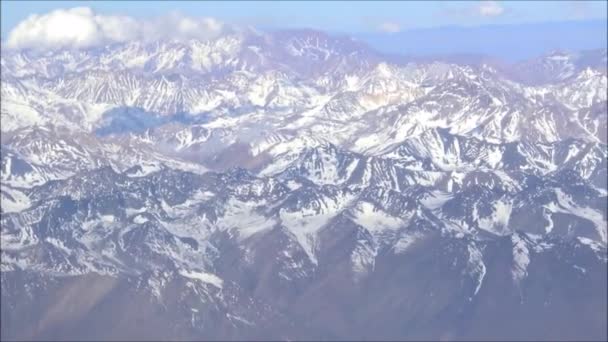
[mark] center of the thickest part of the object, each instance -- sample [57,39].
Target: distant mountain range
[511,42]
[297,185]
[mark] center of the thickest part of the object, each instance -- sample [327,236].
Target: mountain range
[295,185]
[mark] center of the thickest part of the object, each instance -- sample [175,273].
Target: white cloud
[80,27]
[389,27]
[489,9]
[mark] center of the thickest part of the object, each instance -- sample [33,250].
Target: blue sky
[337,16]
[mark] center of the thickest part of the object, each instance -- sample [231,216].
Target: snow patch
[521,258]
[405,242]
[498,221]
[475,266]
[374,220]
[139,219]
[208,278]
[436,199]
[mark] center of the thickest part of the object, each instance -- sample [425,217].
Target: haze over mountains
[299,185]
[510,42]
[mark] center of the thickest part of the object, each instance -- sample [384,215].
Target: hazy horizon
[512,31]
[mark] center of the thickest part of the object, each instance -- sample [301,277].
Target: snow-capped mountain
[559,66]
[298,185]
